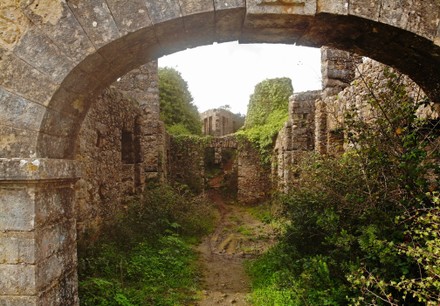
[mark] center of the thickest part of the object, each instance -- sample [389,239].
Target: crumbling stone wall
[186,162]
[338,71]
[111,172]
[188,165]
[121,146]
[369,78]
[254,183]
[316,118]
[296,137]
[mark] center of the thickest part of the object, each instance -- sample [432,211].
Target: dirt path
[238,236]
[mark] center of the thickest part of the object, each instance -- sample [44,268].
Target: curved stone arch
[56,55]
[69,52]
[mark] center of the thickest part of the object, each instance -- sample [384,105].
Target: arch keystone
[291,7]
[339,7]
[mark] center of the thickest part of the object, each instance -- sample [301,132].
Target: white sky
[227,73]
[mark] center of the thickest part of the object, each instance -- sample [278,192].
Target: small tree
[267,112]
[177,111]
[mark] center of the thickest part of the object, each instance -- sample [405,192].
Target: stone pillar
[320,127]
[38,263]
[338,71]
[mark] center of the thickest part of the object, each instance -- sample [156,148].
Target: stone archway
[57,54]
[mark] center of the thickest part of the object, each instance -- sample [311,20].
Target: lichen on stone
[13,23]
[50,11]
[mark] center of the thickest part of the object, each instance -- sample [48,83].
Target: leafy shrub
[363,227]
[162,209]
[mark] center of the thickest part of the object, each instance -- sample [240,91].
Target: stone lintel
[34,170]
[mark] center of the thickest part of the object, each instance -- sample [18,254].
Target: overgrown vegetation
[177,111]
[363,228]
[145,256]
[267,112]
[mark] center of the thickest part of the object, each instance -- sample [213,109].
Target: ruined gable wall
[220,122]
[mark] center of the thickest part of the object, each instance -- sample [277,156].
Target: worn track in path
[237,237]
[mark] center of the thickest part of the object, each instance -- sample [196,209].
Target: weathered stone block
[59,124]
[17,250]
[423,17]
[339,7]
[143,44]
[161,11]
[229,4]
[10,300]
[63,293]
[96,20]
[54,204]
[56,20]
[189,7]
[394,12]
[38,50]
[80,82]
[48,271]
[16,142]
[17,280]
[73,105]
[19,77]
[130,15]
[291,7]
[14,24]
[18,209]
[229,18]
[368,9]
[200,28]
[228,21]
[34,169]
[18,112]
[275,35]
[56,147]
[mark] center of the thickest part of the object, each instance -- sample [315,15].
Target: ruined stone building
[220,122]
[316,117]
[67,140]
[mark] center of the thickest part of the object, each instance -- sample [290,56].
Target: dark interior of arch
[413,55]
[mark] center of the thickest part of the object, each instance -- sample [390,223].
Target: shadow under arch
[413,55]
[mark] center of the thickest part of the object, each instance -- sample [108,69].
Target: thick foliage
[144,257]
[267,112]
[269,95]
[364,227]
[179,114]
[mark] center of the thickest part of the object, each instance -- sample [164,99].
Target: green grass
[161,274]
[146,256]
